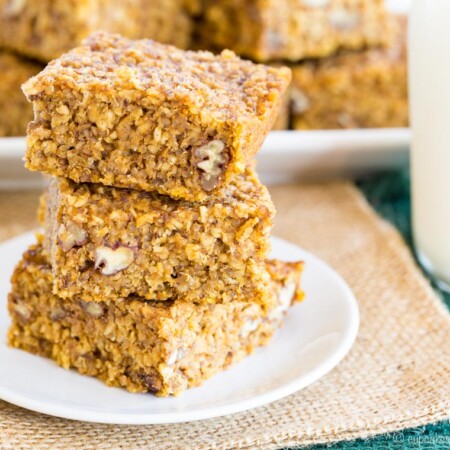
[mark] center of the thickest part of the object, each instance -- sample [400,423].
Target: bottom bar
[143,346]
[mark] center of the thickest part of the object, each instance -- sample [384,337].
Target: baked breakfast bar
[266,30]
[143,346]
[354,90]
[146,116]
[15,111]
[111,243]
[44,29]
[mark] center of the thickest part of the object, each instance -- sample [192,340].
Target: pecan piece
[212,160]
[71,235]
[300,102]
[93,308]
[111,261]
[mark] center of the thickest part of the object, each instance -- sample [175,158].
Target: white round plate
[317,334]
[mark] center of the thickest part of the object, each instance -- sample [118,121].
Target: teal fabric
[389,194]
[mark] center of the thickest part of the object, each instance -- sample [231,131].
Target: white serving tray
[285,155]
[310,155]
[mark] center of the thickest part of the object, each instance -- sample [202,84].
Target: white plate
[285,155]
[317,334]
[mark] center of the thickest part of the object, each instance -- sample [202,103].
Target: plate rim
[339,353]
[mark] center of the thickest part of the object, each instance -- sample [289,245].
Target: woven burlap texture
[396,376]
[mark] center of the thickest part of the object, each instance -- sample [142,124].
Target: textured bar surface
[110,243]
[143,346]
[266,30]
[45,29]
[146,116]
[354,90]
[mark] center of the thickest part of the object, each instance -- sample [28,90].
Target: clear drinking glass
[429,86]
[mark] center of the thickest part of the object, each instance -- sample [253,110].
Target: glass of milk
[429,85]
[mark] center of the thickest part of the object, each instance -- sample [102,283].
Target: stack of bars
[348,57]
[152,273]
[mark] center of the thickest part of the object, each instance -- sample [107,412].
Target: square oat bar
[146,116]
[143,346]
[111,243]
[293,30]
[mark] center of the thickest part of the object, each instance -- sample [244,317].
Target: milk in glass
[429,74]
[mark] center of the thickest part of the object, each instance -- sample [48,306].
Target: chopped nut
[343,19]
[151,382]
[212,161]
[287,294]
[274,40]
[111,261]
[22,310]
[300,102]
[14,7]
[249,326]
[316,3]
[63,110]
[175,356]
[93,308]
[71,235]
[345,120]
[285,298]
[110,331]
[57,313]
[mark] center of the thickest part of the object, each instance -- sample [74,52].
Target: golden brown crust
[15,111]
[266,30]
[45,29]
[162,347]
[111,243]
[142,115]
[354,90]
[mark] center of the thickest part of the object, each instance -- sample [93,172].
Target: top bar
[147,116]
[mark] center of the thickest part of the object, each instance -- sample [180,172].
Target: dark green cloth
[389,194]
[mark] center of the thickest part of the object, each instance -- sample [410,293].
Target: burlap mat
[396,376]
